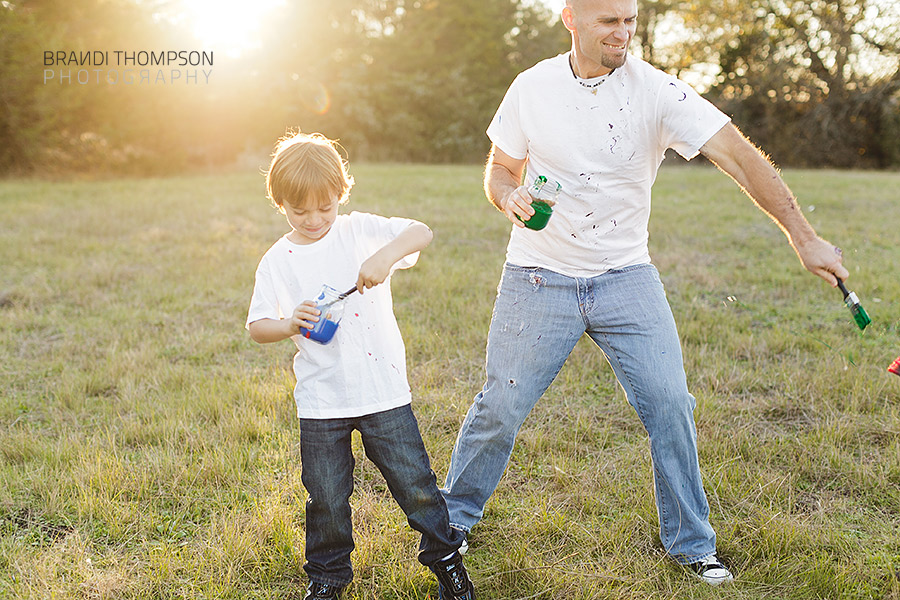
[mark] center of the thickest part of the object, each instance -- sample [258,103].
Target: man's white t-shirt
[362,370]
[604,145]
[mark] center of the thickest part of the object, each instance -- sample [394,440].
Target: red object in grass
[895,367]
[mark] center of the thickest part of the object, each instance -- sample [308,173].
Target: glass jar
[331,303]
[541,190]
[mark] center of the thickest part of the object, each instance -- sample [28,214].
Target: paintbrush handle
[338,299]
[347,293]
[843,288]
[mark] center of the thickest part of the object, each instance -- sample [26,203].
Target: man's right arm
[735,155]
[502,185]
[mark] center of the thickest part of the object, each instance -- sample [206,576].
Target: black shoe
[323,591]
[453,581]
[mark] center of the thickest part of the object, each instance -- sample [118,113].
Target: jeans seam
[612,350]
[664,509]
[664,512]
[588,305]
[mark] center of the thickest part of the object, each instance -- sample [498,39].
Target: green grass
[149,449]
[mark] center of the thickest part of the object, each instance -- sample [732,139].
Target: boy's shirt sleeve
[380,231]
[264,302]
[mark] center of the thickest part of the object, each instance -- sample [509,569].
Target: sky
[555,5]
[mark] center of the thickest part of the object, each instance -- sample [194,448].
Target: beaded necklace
[591,86]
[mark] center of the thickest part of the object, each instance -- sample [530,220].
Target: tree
[440,70]
[60,123]
[816,83]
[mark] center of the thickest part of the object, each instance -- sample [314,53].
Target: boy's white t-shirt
[604,144]
[362,370]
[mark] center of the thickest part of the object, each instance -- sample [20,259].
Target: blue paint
[331,305]
[323,331]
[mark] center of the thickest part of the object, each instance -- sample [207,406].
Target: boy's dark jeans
[392,441]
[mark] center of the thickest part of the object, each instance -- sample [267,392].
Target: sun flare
[228,26]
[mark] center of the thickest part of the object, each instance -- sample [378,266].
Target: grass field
[149,449]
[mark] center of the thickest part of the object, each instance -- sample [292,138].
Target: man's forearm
[755,174]
[759,179]
[499,181]
[763,183]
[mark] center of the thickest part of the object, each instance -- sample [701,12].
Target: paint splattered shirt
[603,140]
[362,370]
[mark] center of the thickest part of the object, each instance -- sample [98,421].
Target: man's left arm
[734,154]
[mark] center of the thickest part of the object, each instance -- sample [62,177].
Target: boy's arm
[377,267]
[266,331]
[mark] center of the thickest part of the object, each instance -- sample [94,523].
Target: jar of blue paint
[332,306]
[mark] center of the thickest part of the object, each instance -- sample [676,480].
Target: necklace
[591,86]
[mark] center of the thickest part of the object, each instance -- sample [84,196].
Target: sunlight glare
[229,26]
[555,6]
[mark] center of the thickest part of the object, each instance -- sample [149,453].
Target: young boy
[358,379]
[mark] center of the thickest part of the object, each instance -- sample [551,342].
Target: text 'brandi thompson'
[106,67]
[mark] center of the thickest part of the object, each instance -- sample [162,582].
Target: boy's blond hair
[307,170]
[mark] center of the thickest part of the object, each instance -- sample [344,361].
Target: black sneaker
[453,581]
[711,570]
[323,591]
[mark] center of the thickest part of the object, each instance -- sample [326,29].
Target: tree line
[816,83]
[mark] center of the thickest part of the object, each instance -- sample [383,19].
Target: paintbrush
[338,299]
[856,309]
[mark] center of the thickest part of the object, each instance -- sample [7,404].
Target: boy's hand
[373,271]
[376,269]
[267,331]
[305,315]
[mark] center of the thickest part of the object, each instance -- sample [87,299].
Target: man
[599,122]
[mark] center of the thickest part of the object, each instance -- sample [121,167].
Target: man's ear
[568,18]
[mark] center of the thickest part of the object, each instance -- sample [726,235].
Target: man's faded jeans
[538,317]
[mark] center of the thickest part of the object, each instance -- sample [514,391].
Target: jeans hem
[462,528]
[330,581]
[685,561]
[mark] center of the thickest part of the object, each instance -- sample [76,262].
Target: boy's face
[311,220]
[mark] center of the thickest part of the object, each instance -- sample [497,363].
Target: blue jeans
[392,441]
[538,317]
